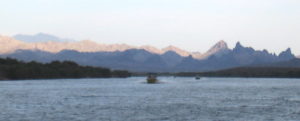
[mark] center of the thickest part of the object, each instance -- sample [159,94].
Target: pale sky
[194,25]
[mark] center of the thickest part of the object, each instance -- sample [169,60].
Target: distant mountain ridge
[53,44]
[40,37]
[140,59]
[50,43]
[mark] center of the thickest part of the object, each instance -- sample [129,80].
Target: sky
[194,25]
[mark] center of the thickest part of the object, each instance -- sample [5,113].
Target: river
[131,99]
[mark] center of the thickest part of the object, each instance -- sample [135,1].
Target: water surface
[131,99]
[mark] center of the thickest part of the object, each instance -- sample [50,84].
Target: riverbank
[11,69]
[263,72]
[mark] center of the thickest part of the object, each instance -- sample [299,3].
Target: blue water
[131,99]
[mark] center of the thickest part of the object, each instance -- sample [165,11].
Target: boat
[151,79]
[197,77]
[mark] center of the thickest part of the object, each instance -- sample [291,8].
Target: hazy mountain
[40,37]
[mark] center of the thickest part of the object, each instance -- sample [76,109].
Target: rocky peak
[239,48]
[218,49]
[265,51]
[221,45]
[287,54]
[287,51]
[238,45]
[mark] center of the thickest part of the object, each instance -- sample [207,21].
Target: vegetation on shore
[11,69]
[276,72]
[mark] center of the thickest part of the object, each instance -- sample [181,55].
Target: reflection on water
[132,99]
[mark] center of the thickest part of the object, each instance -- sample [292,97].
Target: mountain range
[139,59]
[53,44]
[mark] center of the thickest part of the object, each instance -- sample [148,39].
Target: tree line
[12,69]
[278,72]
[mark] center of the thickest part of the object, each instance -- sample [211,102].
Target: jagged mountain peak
[218,49]
[219,46]
[241,49]
[287,54]
[265,51]
[239,45]
[287,51]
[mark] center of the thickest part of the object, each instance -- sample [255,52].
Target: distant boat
[151,79]
[197,77]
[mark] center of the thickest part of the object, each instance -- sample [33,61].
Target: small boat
[197,77]
[151,79]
